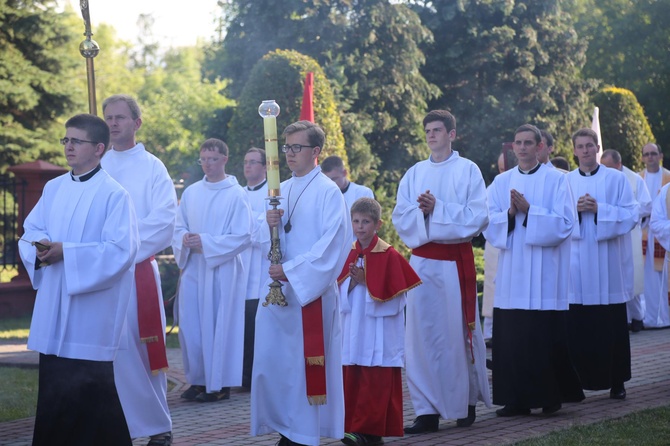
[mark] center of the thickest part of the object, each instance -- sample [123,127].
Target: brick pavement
[227,422]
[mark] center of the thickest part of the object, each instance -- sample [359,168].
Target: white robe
[440,374]
[373,332]
[143,395]
[212,284]
[601,266]
[314,252]
[658,314]
[81,304]
[255,256]
[534,260]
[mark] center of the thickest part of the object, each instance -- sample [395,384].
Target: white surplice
[601,266]
[143,395]
[373,332]
[534,259]
[212,284]
[440,374]
[314,252]
[81,304]
[659,314]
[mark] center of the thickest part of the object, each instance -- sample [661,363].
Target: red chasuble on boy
[387,273]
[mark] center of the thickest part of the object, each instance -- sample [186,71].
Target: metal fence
[12,192]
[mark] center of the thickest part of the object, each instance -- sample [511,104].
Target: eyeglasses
[251,162]
[202,161]
[295,148]
[650,154]
[75,141]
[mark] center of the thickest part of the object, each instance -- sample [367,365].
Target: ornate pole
[89,48]
[269,110]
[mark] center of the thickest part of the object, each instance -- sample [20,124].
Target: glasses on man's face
[649,154]
[251,162]
[75,141]
[202,161]
[295,148]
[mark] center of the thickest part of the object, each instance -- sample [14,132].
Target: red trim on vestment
[315,362]
[387,273]
[149,315]
[462,254]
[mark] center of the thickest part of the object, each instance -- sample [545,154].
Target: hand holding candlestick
[269,110]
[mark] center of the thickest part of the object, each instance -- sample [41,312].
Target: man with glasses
[297,387]
[656,311]
[255,257]
[85,235]
[140,369]
[213,228]
[601,270]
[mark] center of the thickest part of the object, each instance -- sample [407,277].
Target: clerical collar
[85,176]
[256,187]
[531,171]
[344,191]
[589,174]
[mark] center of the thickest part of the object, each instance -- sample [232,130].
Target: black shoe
[488,342]
[161,440]
[547,410]
[512,411]
[423,424]
[212,397]
[467,421]
[489,364]
[618,392]
[356,439]
[636,325]
[192,392]
[283,441]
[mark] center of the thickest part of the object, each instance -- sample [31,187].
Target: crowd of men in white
[573,260]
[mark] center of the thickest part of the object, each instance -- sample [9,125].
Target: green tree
[280,76]
[34,88]
[502,64]
[628,47]
[623,126]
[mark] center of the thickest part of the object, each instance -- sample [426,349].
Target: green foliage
[34,87]
[503,64]
[280,75]
[623,126]
[628,47]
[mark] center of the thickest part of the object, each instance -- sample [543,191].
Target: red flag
[307,110]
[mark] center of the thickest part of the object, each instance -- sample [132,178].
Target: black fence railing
[12,193]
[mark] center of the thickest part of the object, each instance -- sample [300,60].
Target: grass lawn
[18,398]
[649,427]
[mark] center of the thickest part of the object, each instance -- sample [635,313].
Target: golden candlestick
[269,110]
[89,48]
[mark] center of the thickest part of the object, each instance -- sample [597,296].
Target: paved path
[227,422]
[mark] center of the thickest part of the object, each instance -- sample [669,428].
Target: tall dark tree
[629,44]
[369,49]
[34,87]
[503,64]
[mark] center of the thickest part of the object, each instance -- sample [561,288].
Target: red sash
[315,357]
[462,254]
[149,316]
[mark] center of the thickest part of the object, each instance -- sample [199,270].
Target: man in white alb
[297,388]
[656,312]
[441,206]
[140,369]
[612,158]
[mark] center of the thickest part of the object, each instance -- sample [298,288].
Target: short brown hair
[135,111]
[261,152]
[585,132]
[215,145]
[367,206]
[443,116]
[315,134]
